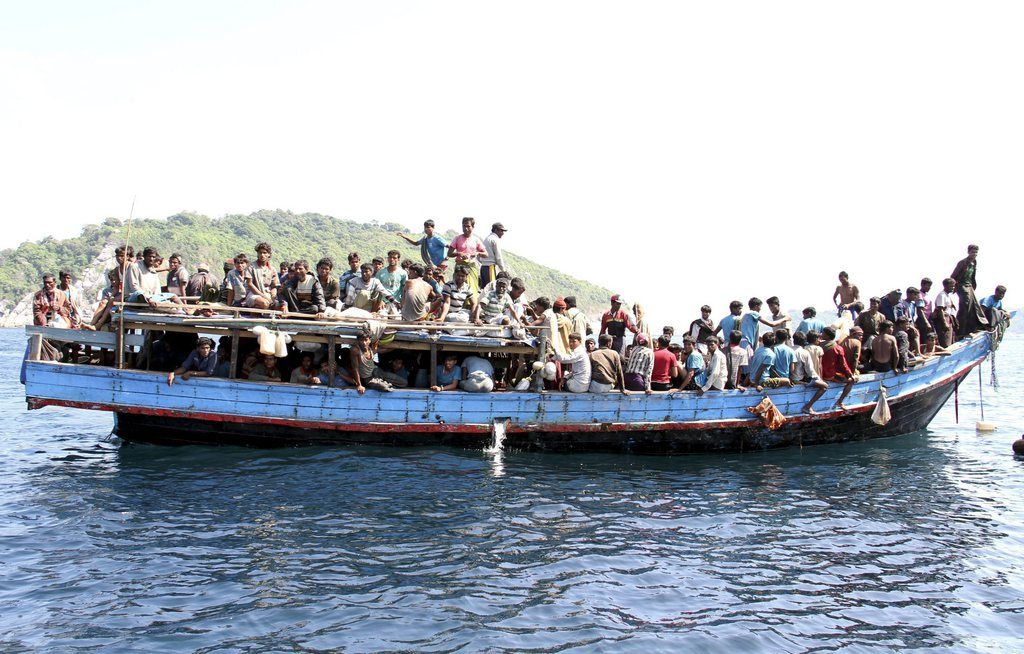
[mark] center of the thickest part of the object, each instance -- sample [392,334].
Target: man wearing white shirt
[944,312]
[493,261]
[716,374]
[577,380]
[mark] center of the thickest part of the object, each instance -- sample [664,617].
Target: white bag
[881,414]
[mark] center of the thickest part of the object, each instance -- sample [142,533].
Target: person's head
[638,310]
[306,360]
[499,229]
[428,227]
[139,256]
[616,302]
[416,271]
[857,306]
[735,336]
[65,278]
[676,350]
[799,339]
[174,261]
[229,264]
[590,345]
[406,264]
[570,300]
[263,252]
[517,287]
[913,293]
[843,277]
[812,337]
[575,340]
[559,306]
[688,343]
[269,361]
[378,263]
[605,341]
[949,284]
[150,256]
[203,267]
[241,261]
[781,335]
[810,312]
[705,312]
[366,271]
[828,334]
[1000,292]
[735,307]
[363,339]
[501,286]
[668,330]
[122,253]
[353,260]
[874,303]
[857,333]
[754,304]
[768,339]
[712,344]
[663,342]
[541,304]
[204,346]
[324,267]
[467,225]
[931,339]
[301,268]
[394,256]
[49,282]
[885,327]
[438,274]
[284,267]
[640,340]
[114,277]
[773,303]
[902,323]
[461,275]
[450,361]
[397,364]
[926,285]
[972,252]
[894,295]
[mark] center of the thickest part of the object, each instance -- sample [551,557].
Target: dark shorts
[635,382]
[487,274]
[882,367]
[661,386]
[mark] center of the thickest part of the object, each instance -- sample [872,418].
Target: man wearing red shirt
[665,366]
[834,366]
[615,322]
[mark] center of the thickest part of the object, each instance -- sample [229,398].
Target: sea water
[912,543]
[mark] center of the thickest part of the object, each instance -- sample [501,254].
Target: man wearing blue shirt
[784,355]
[763,365]
[993,305]
[811,322]
[694,362]
[751,321]
[433,249]
[730,323]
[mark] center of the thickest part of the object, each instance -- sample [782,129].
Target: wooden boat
[242,412]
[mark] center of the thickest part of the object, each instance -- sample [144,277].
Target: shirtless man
[846,293]
[884,350]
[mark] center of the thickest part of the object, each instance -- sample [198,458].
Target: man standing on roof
[970,316]
[467,249]
[615,321]
[433,249]
[493,262]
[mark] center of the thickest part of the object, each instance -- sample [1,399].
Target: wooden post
[542,346]
[35,350]
[147,348]
[332,361]
[119,355]
[233,372]
[433,364]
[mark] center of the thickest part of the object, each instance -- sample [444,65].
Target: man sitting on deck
[393,277]
[350,274]
[262,283]
[303,293]
[306,373]
[199,363]
[495,305]
[331,286]
[577,380]
[885,353]
[846,295]
[692,367]
[366,292]
[459,299]
[50,305]
[142,284]
[606,372]
[834,367]
[993,306]
[805,372]
[449,374]
[763,364]
[716,374]
[417,295]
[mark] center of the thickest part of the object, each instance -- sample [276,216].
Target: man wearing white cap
[494,261]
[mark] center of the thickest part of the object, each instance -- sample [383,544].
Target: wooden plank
[106,340]
[433,365]
[35,350]
[119,343]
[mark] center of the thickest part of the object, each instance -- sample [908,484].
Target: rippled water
[913,543]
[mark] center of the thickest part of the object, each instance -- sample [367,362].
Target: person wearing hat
[493,262]
[615,321]
[203,284]
[563,325]
[639,366]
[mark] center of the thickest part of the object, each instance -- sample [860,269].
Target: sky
[679,153]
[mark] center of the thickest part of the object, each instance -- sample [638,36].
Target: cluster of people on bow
[893,333]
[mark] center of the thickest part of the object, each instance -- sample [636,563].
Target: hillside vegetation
[293,236]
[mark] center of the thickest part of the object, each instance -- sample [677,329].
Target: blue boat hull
[221,411]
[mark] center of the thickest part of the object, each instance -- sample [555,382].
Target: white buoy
[986,426]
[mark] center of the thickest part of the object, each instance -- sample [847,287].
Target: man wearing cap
[888,305]
[615,321]
[202,284]
[493,261]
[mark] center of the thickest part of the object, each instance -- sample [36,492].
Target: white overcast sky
[677,152]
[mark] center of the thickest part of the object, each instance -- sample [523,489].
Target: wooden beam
[119,343]
[433,365]
[105,340]
[332,362]
[233,372]
[35,350]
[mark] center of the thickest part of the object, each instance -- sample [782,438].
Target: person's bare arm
[408,240]
[446,308]
[353,362]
